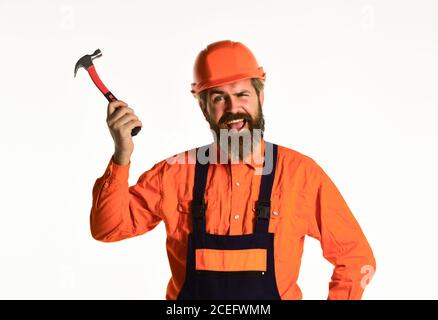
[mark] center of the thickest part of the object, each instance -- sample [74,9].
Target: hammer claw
[87,63]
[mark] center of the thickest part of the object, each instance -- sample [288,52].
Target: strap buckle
[263,209]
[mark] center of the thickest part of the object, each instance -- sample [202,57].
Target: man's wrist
[121,159]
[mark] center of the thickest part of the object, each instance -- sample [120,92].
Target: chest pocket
[184,221]
[184,224]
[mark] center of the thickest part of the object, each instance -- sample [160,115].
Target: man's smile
[236,124]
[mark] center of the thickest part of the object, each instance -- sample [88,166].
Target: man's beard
[238,145]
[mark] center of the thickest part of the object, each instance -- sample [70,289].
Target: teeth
[234,121]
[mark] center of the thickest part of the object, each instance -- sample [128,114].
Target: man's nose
[232,104]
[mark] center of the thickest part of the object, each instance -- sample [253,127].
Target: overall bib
[236,267]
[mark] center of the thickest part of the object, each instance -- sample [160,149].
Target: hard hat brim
[208,84]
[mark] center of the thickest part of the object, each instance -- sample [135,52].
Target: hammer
[87,63]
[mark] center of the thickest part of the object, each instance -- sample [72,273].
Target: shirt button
[236,216]
[275,213]
[237,183]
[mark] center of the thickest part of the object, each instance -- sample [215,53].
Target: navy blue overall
[238,285]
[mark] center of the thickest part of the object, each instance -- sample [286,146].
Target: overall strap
[263,205]
[198,203]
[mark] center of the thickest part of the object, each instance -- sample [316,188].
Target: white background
[352,84]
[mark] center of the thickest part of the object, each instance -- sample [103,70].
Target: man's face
[236,109]
[233,106]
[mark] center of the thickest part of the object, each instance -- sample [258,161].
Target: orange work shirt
[304,202]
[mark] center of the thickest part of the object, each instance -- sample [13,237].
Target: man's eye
[217,98]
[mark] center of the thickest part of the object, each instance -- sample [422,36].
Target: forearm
[120,211]
[343,243]
[110,203]
[352,273]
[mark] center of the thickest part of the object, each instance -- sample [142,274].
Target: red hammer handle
[110,97]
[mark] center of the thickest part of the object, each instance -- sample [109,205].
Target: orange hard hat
[224,62]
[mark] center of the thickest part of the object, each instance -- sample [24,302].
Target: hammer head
[87,60]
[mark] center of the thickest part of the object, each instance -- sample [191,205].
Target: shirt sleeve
[119,211]
[342,240]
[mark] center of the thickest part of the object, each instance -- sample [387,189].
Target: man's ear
[203,109]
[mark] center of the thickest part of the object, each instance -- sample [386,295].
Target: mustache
[233,116]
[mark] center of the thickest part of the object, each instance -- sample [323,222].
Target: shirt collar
[253,160]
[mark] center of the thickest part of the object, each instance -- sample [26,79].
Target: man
[236,211]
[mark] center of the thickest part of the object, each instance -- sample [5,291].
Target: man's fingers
[125,119]
[126,128]
[133,124]
[112,106]
[118,114]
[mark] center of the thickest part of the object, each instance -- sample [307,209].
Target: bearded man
[237,210]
